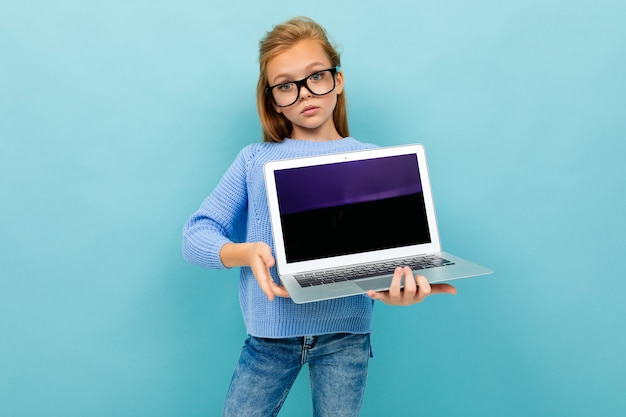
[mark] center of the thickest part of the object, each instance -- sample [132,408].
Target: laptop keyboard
[310,279]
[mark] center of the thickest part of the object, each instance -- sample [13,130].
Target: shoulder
[254,150]
[253,157]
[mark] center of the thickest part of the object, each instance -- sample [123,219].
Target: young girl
[302,107]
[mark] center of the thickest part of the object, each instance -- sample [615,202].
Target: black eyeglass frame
[303,82]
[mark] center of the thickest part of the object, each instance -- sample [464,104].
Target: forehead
[297,61]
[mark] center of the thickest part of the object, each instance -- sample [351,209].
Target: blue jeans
[267,369]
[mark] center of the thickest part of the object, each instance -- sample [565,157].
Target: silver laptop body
[342,222]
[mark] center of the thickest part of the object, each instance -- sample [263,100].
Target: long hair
[275,125]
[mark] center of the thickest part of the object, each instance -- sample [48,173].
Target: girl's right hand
[258,256]
[261,260]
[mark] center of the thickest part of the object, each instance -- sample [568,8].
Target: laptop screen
[351,207]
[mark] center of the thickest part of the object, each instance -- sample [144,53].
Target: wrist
[234,254]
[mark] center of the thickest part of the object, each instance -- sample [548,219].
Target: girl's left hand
[416,289]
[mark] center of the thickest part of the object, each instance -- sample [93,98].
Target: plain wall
[118,118]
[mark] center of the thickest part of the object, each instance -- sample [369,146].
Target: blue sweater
[237,211]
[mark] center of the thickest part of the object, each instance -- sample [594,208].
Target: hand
[416,289]
[260,260]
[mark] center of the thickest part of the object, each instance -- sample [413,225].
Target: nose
[306,93]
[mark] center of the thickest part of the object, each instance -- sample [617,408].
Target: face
[311,115]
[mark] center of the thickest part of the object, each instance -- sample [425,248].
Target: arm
[212,234]
[221,219]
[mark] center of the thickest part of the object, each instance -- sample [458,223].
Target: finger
[271,288]
[262,274]
[279,290]
[268,259]
[395,288]
[410,286]
[424,288]
[379,296]
[443,289]
[266,287]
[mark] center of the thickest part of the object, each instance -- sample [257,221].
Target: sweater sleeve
[220,219]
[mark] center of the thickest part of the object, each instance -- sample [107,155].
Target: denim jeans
[267,369]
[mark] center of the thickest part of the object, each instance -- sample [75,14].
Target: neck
[319,134]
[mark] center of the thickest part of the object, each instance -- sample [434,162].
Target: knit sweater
[237,211]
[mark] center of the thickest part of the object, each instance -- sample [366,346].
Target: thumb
[267,258]
[269,261]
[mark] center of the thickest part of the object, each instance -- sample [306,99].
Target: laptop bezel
[285,268]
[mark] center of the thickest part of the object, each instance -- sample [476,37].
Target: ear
[339,82]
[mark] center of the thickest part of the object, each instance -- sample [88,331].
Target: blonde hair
[275,125]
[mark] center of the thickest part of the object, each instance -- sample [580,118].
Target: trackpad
[376,284]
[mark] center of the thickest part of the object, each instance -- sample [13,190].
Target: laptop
[343,222]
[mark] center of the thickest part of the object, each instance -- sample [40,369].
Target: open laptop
[342,222]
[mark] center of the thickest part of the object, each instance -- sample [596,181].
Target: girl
[302,107]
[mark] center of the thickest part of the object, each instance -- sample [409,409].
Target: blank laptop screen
[351,207]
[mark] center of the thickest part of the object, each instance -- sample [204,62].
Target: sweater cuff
[205,253]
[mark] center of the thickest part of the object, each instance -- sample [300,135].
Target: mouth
[309,110]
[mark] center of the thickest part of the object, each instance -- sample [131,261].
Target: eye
[317,76]
[285,86]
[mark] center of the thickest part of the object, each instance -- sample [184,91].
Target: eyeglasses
[319,83]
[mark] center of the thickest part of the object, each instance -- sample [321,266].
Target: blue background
[117,118]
